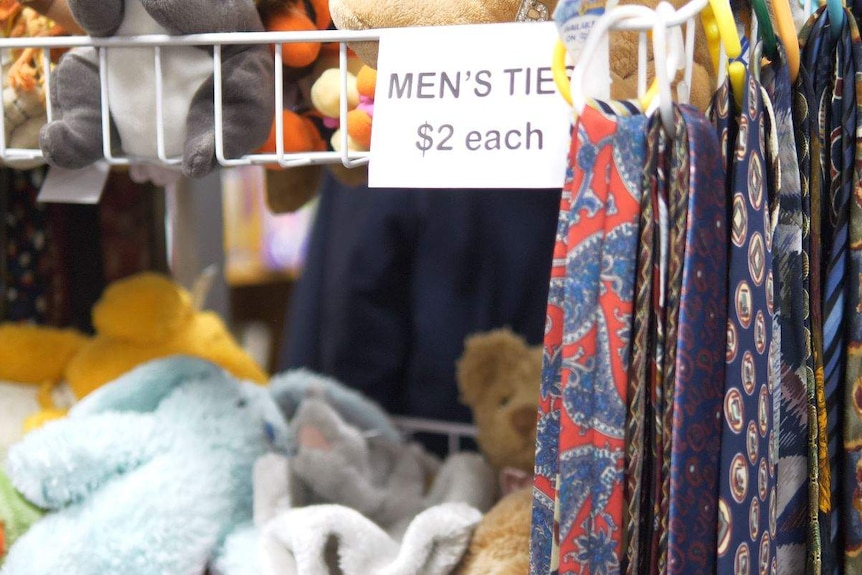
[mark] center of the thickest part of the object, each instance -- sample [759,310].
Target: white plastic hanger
[666,61]
[663,61]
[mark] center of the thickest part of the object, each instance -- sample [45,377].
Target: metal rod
[279,106]
[160,106]
[219,110]
[46,71]
[210,39]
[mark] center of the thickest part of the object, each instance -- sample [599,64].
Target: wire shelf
[215,43]
[454,432]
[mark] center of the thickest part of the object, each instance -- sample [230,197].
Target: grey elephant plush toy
[74,138]
[147,475]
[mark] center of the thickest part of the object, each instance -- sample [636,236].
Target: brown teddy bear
[499,377]
[501,543]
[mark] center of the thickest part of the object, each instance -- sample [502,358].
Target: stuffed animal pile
[311,101]
[179,466]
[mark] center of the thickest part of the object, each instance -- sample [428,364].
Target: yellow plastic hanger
[719,27]
[562,81]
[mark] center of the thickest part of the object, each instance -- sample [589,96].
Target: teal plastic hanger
[836,16]
[766,31]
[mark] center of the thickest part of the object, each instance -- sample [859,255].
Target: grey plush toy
[74,139]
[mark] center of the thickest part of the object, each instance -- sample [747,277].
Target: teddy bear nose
[524,420]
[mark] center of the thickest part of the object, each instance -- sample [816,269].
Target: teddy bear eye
[241,402]
[505,400]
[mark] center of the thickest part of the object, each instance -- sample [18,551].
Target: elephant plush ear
[144,387]
[291,388]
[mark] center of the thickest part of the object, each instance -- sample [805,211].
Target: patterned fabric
[842,129]
[676,380]
[747,491]
[792,311]
[814,42]
[805,125]
[644,340]
[28,262]
[833,80]
[851,472]
[695,400]
[579,470]
[658,469]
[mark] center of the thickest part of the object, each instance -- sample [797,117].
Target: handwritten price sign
[469,107]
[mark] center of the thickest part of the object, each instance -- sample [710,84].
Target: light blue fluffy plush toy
[147,475]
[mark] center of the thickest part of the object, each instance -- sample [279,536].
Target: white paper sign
[469,107]
[82,186]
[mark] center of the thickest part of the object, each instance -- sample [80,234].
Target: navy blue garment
[396,279]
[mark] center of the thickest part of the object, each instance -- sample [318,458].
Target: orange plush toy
[301,134]
[359,119]
[306,128]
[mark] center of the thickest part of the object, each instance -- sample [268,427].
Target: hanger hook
[599,30]
[664,11]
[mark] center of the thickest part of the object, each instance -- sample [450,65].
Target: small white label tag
[82,186]
[575,20]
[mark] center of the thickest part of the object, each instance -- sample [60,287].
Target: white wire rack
[454,432]
[216,42]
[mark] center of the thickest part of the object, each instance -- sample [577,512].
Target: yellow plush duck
[137,319]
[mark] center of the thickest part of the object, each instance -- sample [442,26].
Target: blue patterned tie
[747,494]
[790,295]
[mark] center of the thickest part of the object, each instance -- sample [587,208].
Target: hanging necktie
[747,479]
[696,340]
[28,258]
[851,472]
[835,250]
[804,123]
[792,307]
[832,60]
[643,444]
[589,325]
[677,374]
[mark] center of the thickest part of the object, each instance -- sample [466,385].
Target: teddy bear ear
[486,357]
